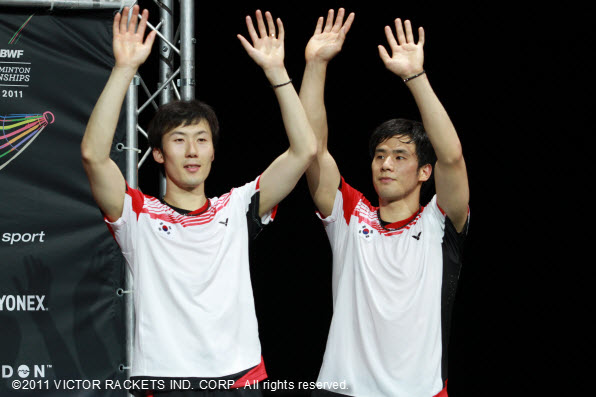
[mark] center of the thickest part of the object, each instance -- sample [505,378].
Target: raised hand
[131,48]
[327,42]
[407,58]
[267,48]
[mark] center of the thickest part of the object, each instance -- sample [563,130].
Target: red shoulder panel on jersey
[138,199]
[351,198]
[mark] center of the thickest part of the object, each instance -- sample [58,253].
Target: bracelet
[281,85]
[413,77]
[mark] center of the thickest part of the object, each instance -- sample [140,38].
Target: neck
[186,199]
[394,211]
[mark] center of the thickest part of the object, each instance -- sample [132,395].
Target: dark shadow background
[517,80]
[514,78]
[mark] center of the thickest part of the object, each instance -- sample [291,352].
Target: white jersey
[194,308]
[393,286]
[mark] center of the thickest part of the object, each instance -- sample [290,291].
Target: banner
[61,318]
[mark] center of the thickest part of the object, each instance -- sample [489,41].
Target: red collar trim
[186,212]
[399,224]
[200,210]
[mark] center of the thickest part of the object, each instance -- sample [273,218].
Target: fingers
[319,28]
[150,38]
[349,21]
[405,33]
[263,28]
[122,25]
[116,25]
[134,19]
[335,26]
[261,24]
[251,29]
[409,34]
[124,20]
[421,36]
[270,24]
[143,23]
[391,39]
[384,54]
[280,28]
[339,20]
[247,46]
[329,23]
[399,29]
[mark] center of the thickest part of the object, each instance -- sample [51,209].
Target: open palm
[407,57]
[326,42]
[130,48]
[267,49]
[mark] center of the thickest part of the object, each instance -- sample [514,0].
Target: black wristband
[281,85]
[413,77]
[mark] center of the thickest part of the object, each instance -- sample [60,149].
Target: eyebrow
[188,133]
[396,151]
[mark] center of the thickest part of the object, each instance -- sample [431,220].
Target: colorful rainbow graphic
[17,131]
[16,37]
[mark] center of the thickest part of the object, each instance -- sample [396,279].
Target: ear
[158,155]
[425,172]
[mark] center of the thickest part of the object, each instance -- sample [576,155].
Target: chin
[389,195]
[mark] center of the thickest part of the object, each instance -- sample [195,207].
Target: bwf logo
[23,371]
[11,53]
[22,303]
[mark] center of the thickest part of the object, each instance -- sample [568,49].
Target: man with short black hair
[395,266]
[194,310]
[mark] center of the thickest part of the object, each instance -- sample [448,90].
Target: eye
[380,157]
[400,158]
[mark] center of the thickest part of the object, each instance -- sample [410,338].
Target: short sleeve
[250,196]
[438,213]
[124,229]
[346,200]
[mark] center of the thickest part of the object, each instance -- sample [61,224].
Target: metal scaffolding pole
[166,63]
[131,175]
[187,49]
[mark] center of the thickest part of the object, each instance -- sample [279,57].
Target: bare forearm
[322,174]
[101,127]
[437,123]
[312,94]
[298,128]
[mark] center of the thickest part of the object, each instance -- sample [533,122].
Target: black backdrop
[509,75]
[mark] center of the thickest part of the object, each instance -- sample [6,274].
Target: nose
[387,164]
[192,149]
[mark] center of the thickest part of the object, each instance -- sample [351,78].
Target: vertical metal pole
[187,49]
[165,52]
[131,175]
[165,63]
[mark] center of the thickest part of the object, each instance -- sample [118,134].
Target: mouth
[192,167]
[386,180]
